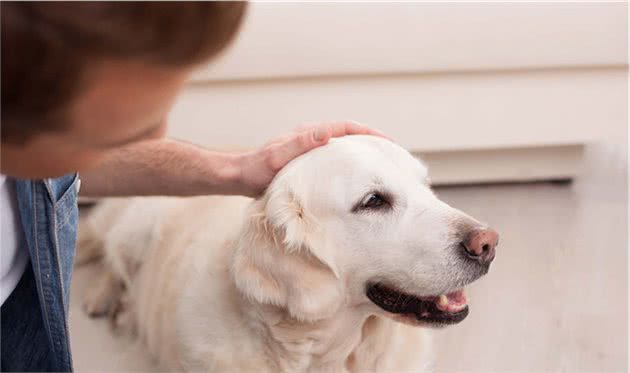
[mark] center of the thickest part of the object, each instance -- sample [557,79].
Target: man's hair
[46,48]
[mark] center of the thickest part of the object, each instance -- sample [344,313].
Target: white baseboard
[504,165]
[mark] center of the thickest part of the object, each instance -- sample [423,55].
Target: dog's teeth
[443,300]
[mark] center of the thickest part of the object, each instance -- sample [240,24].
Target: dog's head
[355,224]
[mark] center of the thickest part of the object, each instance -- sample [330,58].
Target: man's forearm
[163,167]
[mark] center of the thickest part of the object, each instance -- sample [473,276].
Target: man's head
[79,79]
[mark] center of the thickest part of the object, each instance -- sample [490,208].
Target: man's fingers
[321,135]
[284,149]
[354,128]
[294,146]
[313,136]
[342,128]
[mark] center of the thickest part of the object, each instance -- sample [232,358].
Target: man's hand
[258,168]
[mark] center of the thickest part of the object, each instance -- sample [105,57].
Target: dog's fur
[278,283]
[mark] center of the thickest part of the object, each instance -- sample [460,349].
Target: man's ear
[282,259]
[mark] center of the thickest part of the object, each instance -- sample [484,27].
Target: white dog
[342,265]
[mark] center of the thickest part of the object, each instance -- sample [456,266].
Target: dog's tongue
[452,302]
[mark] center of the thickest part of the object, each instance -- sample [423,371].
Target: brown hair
[47,46]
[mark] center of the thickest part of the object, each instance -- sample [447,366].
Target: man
[86,87]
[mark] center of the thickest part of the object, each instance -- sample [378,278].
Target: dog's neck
[295,303]
[322,345]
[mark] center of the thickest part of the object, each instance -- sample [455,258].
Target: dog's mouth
[444,309]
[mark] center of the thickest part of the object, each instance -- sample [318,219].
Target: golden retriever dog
[345,264]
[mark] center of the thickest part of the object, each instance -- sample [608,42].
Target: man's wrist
[229,177]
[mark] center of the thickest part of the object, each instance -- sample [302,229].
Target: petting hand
[258,168]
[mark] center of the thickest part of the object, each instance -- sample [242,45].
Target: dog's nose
[480,244]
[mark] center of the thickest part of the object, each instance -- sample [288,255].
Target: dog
[345,264]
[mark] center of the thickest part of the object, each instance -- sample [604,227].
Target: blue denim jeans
[35,335]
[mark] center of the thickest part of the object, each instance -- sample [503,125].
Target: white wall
[314,39]
[437,77]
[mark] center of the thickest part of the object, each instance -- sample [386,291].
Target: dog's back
[159,248]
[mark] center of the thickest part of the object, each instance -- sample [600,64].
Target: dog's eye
[374,201]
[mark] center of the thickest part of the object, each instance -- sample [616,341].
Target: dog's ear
[286,211]
[283,259]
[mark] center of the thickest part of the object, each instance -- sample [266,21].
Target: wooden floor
[555,299]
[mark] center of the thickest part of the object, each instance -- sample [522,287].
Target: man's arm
[162,167]
[170,167]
